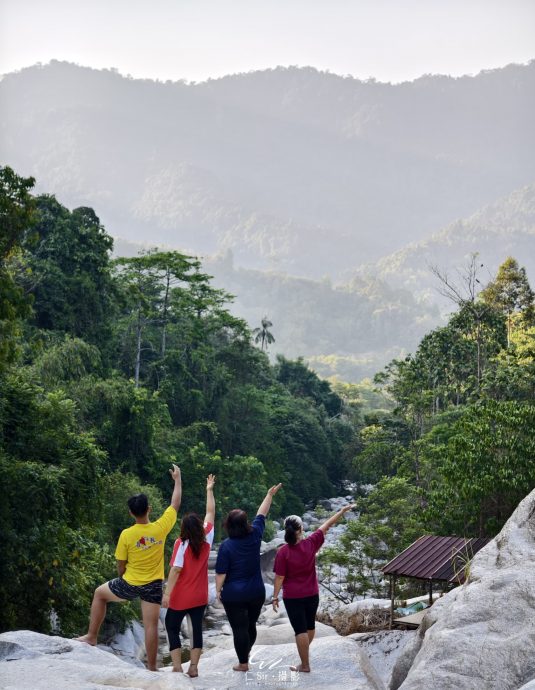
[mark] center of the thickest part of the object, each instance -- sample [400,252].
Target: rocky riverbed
[479,636]
[217,632]
[30,661]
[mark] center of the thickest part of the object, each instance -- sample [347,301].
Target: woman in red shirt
[295,572]
[186,593]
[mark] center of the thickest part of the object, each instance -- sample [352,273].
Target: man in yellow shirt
[140,564]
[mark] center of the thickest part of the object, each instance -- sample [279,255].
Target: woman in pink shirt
[295,571]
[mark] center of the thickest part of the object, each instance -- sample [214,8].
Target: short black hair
[236,524]
[138,504]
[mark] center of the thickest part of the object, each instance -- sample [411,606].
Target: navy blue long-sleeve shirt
[239,559]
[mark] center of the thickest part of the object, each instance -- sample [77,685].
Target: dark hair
[236,524]
[138,504]
[292,525]
[192,529]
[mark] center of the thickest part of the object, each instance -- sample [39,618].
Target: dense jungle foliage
[457,453]
[110,369]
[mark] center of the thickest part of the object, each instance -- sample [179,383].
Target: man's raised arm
[176,498]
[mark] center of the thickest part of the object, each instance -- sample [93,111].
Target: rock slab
[40,662]
[481,635]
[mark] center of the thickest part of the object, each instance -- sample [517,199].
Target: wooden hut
[432,559]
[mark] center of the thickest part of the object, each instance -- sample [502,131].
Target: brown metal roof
[435,558]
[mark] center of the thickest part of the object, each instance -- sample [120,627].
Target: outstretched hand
[210,481]
[346,509]
[175,472]
[273,490]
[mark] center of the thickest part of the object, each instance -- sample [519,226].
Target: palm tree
[262,335]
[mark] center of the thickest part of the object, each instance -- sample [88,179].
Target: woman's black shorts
[302,613]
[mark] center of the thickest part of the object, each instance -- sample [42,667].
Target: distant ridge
[292,169]
[504,228]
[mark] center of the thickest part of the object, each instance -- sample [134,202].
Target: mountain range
[293,169]
[316,199]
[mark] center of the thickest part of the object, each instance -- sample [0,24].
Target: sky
[389,40]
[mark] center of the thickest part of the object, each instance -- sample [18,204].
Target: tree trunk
[478,342]
[138,349]
[165,310]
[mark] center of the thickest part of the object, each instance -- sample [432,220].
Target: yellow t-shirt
[141,546]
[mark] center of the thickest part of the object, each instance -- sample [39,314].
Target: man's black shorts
[151,592]
[302,613]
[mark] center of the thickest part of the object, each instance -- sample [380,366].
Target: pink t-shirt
[297,563]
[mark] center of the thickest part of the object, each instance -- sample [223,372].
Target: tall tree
[263,335]
[464,292]
[17,220]
[70,276]
[511,293]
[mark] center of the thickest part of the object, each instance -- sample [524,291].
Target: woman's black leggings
[242,616]
[173,621]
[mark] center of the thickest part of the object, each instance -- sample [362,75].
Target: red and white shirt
[191,588]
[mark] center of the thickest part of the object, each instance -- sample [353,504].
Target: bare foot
[192,672]
[178,669]
[88,639]
[241,667]
[300,668]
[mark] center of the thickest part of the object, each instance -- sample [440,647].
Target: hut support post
[392,591]
[430,592]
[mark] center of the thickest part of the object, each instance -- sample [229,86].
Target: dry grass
[365,620]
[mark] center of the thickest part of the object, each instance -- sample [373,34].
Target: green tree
[511,375]
[487,468]
[303,382]
[263,335]
[70,277]
[17,220]
[52,473]
[511,293]
[388,523]
[131,424]
[380,449]
[242,482]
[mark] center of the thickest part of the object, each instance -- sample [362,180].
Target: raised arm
[176,498]
[210,500]
[263,508]
[332,520]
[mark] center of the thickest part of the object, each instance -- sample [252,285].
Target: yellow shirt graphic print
[142,547]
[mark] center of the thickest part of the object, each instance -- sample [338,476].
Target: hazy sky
[391,40]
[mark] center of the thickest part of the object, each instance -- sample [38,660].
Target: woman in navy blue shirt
[239,583]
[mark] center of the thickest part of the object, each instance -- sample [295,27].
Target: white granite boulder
[481,636]
[39,662]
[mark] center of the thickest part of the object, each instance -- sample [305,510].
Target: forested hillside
[109,371]
[293,169]
[347,330]
[456,455]
[506,227]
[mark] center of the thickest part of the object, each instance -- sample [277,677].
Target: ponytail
[292,525]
